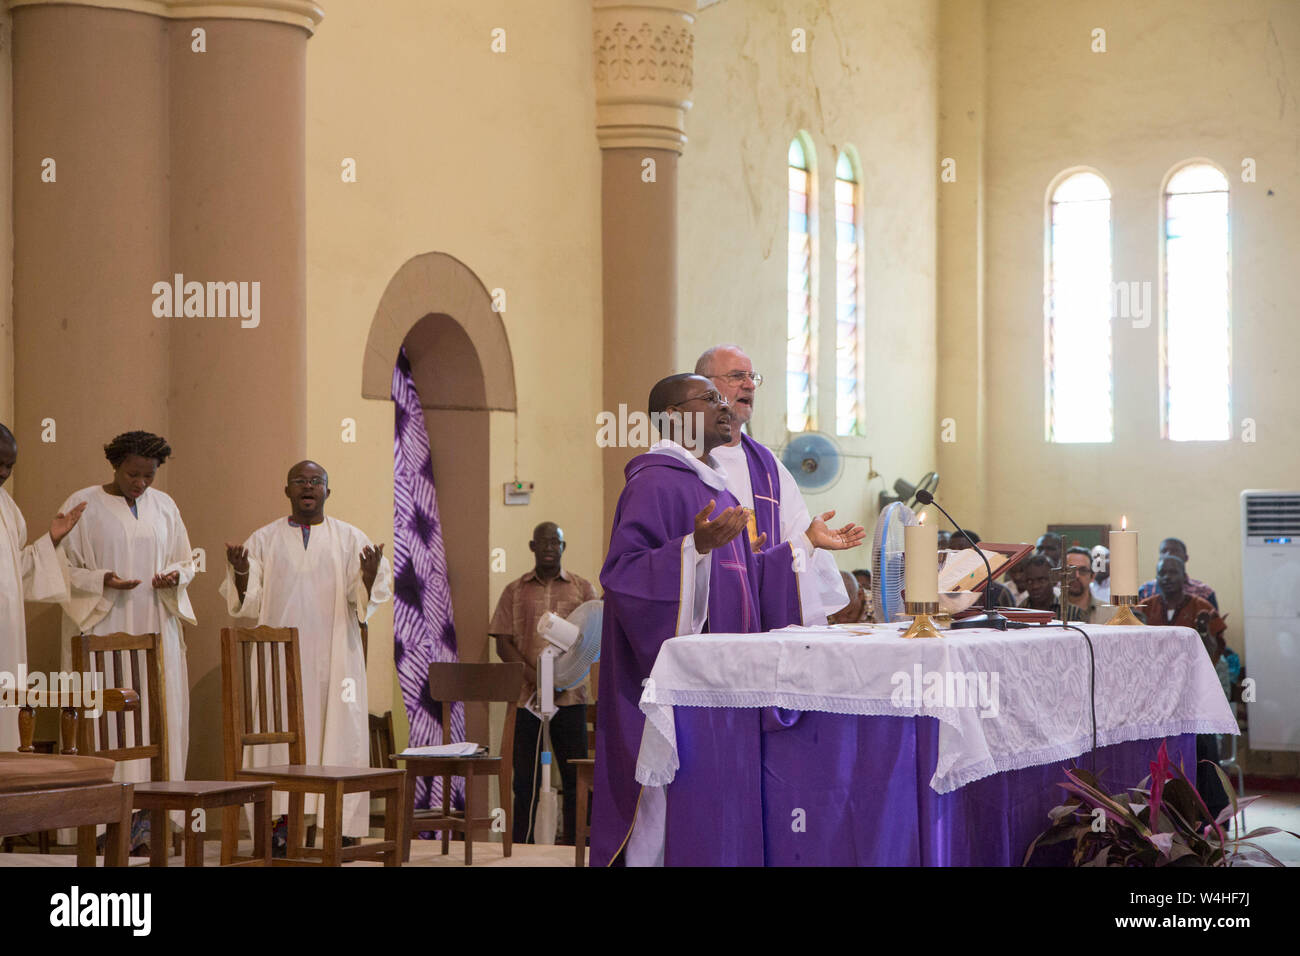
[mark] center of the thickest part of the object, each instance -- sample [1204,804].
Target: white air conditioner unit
[1270,587]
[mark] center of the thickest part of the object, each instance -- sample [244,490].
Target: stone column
[174,153]
[644,54]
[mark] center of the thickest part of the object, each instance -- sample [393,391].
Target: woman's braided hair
[144,444]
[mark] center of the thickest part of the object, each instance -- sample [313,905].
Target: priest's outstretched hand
[821,536]
[716,533]
[63,523]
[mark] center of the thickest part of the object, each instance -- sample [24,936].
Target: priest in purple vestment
[678,565]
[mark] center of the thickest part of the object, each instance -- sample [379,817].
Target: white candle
[1124,560]
[921,562]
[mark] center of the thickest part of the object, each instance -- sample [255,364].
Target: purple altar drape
[423,631]
[787,788]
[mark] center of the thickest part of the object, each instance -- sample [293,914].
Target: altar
[827,747]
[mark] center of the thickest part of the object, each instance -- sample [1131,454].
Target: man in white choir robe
[131,533]
[28,572]
[324,577]
[762,483]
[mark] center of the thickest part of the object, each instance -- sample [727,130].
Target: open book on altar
[964,571]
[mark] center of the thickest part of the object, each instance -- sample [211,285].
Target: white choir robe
[28,572]
[109,538]
[828,585]
[318,590]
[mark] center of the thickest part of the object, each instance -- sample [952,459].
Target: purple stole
[642,581]
[765,481]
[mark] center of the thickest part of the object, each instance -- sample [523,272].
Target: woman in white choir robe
[28,572]
[310,572]
[131,566]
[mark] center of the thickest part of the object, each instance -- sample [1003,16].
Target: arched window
[1196,341]
[801,321]
[848,292]
[1077,308]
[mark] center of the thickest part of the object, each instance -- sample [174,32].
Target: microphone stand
[990,618]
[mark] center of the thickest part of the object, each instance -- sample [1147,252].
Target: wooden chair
[381,751]
[193,798]
[41,792]
[448,683]
[586,776]
[278,719]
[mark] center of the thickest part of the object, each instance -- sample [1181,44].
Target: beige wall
[510,186]
[1180,79]
[868,79]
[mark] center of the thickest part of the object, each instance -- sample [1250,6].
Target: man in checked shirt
[548,587]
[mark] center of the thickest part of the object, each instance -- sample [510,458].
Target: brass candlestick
[922,625]
[1125,616]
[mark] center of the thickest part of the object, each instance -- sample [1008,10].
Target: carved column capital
[644,56]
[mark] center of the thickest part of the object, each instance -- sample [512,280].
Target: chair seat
[327,774]
[196,788]
[21,772]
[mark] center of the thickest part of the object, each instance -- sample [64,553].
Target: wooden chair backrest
[92,654]
[255,661]
[382,741]
[493,683]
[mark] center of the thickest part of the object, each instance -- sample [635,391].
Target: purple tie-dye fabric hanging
[423,630]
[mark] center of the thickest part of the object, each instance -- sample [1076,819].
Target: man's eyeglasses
[307,482]
[713,397]
[735,378]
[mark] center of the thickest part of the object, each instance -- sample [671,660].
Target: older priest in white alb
[761,483]
[28,572]
[324,577]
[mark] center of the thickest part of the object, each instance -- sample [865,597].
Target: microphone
[990,617]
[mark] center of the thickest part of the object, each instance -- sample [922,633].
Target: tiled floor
[1280,810]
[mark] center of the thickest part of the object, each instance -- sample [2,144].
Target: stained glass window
[848,270]
[1077,307]
[801,327]
[1196,340]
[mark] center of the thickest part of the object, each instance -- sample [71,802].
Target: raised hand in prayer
[370,557]
[63,523]
[821,536]
[112,581]
[237,555]
[716,533]
[161,581]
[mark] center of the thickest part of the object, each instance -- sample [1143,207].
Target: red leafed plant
[1167,825]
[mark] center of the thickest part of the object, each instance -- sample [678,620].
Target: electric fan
[906,492]
[575,646]
[887,561]
[813,459]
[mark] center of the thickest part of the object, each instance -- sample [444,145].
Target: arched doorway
[437,311]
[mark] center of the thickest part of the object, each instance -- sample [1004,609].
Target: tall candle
[921,562]
[1124,560]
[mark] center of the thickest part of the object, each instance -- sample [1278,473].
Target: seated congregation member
[1101,573]
[868,595]
[1050,546]
[548,587]
[761,482]
[28,572]
[324,577]
[852,613]
[1193,587]
[1080,603]
[131,566]
[1173,604]
[678,563]
[1038,584]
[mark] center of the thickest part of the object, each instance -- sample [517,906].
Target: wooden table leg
[395,803]
[580,825]
[408,813]
[262,828]
[446,812]
[158,837]
[193,844]
[469,818]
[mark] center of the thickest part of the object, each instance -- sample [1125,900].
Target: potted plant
[1166,825]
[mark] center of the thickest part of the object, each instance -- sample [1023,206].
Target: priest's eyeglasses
[735,378]
[317,482]
[713,397]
